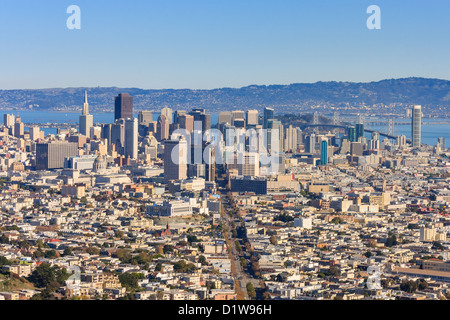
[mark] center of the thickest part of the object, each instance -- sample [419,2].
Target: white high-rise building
[290,141]
[35,133]
[9,120]
[168,113]
[252,117]
[86,119]
[416,126]
[131,138]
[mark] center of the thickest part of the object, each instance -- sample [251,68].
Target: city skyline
[292,175]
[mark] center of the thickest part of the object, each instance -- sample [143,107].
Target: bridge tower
[391,127]
[316,121]
[336,122]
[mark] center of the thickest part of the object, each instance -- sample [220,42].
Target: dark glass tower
[123,106]
[359,130]
[268,115]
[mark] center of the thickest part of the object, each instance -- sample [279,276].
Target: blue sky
[203,44]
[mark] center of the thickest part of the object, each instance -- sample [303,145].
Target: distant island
[392,96]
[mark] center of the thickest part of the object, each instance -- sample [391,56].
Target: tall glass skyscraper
[351,134]
[268,115]
[359,127]
[123,106]
[324,152]
[416,126]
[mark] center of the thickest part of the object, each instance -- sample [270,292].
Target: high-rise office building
[8,120]
[168,113]
[324,152]
[123,106]
[275,135]
[201,116]
[175,159]
[268,115]
[225,117]
[351,134]
[416,126]
[375,135]
[162,131]
[237,115]
[202,122]
[178,114]
[131,138]
[86,119]
[441,143]
[401,141]
[249,164]
[252,118]
[356,149]
[299,137]
[19,129]
[359,128]
[290,141]
[209,159]
[51,155]
[310,143]
[186,122]
[145,117]
[35,133]
[118,134]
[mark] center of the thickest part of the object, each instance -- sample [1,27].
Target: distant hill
[430,93]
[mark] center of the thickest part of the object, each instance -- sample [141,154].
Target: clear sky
[203,44]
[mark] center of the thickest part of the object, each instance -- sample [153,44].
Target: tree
[337,220]
[238,246]
[158,267]
[368,254]
[437,245]
[130,280]
[183,267]
[93,251]
[67,251]
[38,254]
[202,260]
[51,254]
[333,271]
[243,262]
[391,240]
[251,291]
[49,277]
[273,240]
[409,286]
[4,261]
[192,238]
[4,239]
[422,284]
[167,248]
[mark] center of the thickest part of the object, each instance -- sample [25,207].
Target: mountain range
[432,94]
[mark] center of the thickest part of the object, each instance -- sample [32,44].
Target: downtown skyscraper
[86,119]
[416,126]
[123,106]
[131,138]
